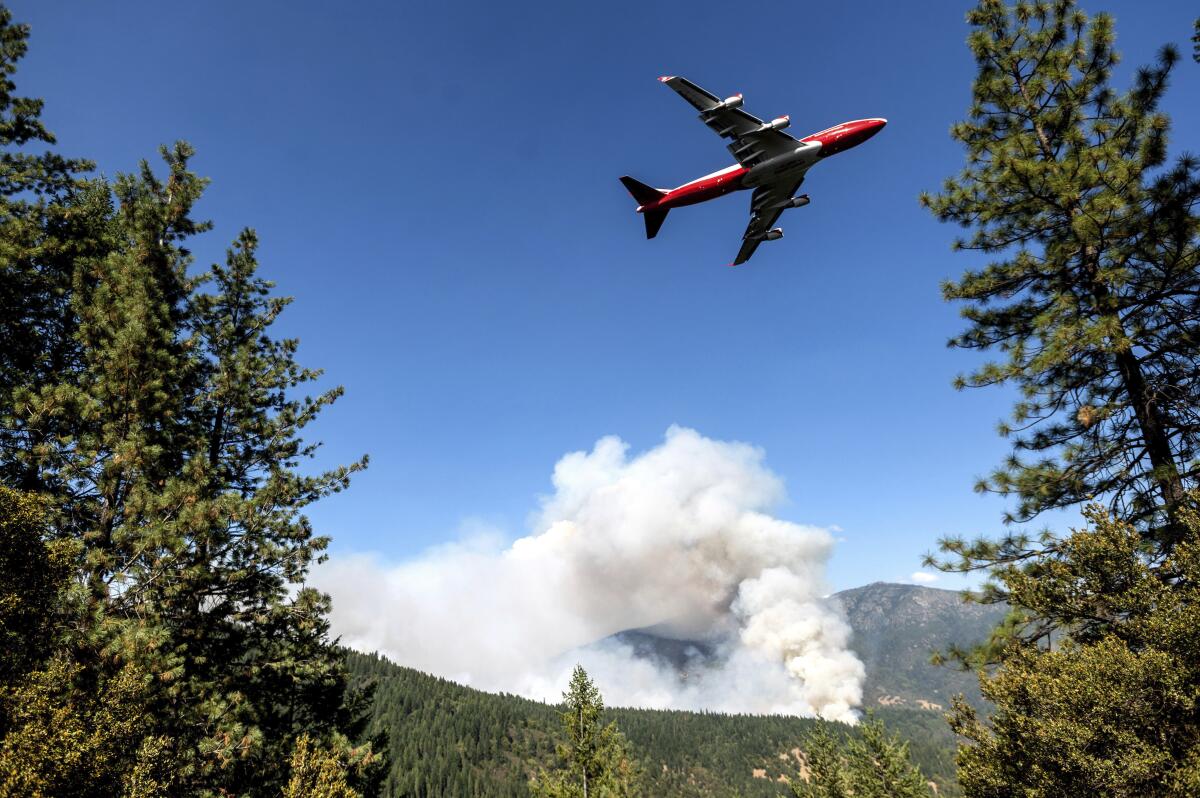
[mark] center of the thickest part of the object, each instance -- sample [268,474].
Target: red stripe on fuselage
[706,188]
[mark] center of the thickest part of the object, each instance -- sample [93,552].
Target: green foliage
[1090,294]
[72,731]
[872,763]
[825,774]
[595,760]
[180,444]
[880,766]
[445,739]
[442,739]
[1091,299]
[32,575]
[47,223]
[1110,709]
[318,772]
[70,725]
[159,425]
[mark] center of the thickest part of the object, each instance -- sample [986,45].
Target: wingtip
[665,78]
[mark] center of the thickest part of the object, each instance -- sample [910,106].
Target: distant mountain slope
[895,630]
[450,740]
[897,627]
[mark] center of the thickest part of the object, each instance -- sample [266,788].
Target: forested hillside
[446,739]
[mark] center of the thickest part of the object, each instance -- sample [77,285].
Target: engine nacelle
[773,234]
[797,202]
[729,102]
[779,123]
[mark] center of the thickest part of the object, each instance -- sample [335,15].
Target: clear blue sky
[436,186]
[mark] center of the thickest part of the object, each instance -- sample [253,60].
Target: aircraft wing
[750,144]
[766,205]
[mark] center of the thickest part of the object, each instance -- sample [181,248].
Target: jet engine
[779,123]
[797,202]
[773,234]
[729,102]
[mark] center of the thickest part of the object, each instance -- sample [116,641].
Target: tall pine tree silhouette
[1091,294]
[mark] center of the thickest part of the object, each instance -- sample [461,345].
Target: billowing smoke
[662,573]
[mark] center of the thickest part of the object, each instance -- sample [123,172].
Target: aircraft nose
[872,127]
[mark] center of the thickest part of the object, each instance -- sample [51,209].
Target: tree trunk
[1145,406]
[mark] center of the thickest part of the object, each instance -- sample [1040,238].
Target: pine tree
[880,767]
[49,220]
[69,725]
[32,575]
[595,758]
[319,773]
[1111,710]
[825,771]
[1094,297]
[161,428]
[872,763]
[186,492]
[1091,295]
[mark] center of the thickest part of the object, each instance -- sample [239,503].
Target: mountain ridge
[896,628]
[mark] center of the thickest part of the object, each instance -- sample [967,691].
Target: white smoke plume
[675,541]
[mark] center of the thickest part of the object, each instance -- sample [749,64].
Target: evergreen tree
[69,725]
[183,465]
[879,765]
[160,427]
[872,763]
[1109,711]
[595,758]
[48,221]
[500,740]
[824,775]
[32,575]
[1091,295]
[318,773]
[1093,298]
[75,731]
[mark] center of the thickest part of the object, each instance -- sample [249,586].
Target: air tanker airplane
[768,160]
